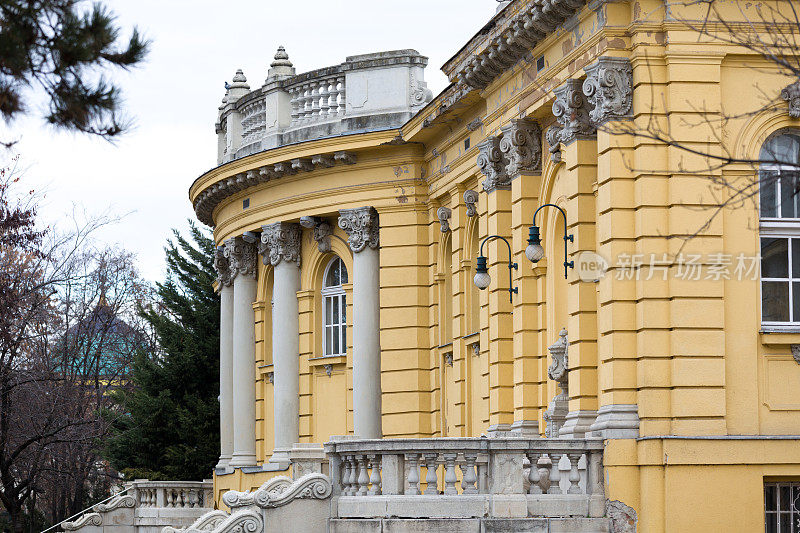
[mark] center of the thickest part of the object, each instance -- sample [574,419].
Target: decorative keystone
[471,201]
[443,213]
[792,95]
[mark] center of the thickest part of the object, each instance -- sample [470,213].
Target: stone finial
[241,256]
[223,267]
[791,94]
[238,88]
[239,80]
[443,214]
[609,88]
[522,146]
[571,110]
[280,242]
[361,226]
[471,201]
[281,67]
[491,164]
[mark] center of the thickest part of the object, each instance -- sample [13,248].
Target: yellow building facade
[353,233]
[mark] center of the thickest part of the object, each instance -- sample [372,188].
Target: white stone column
[225,289]
[280,247]
[242,258]
[361,226]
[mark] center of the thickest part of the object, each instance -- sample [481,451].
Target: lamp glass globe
[482,280]
[534,252]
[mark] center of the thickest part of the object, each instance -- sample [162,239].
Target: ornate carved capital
[792,95]
[522,146]
[609,88]
[280,242]
[223,268]
[491,163]
[361,226]
[241,257]
[471,200]
[443,213]
[571,110]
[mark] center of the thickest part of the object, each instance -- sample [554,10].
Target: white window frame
[779,228]
[334,296]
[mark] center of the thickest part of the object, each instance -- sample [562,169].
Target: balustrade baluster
[343,97]
[315,107]
[323,100]
[353,475]
[363,478]
[431,464]
[333,98]
[533,475]
[293,103]
[450,473]
[345,476]
[574,475]
[468,478]
[375,474]
[555,474]
[307,103]
[412,482]
[544,476]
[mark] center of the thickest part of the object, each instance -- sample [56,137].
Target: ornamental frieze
[361,226]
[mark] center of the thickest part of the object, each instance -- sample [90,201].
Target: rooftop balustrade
[365,93]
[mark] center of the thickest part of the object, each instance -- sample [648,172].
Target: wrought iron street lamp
[534,252]
[482,278]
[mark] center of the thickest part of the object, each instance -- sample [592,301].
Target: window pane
[335,302]
[782,149]
[785,494]
[344,309]
[344,272]
[796,499]
[327,341]
[344,339]
[796,302]
[788,195]
[771,524]
[774,258]
[767,193]
[770,498]
[786,523]
[335,340]
[775,301]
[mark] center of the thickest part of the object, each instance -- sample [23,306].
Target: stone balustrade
[172,494]
[369,92]
[467,477]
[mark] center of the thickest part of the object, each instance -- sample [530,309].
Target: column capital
[241,256]
[280,242]
[609,88]
[222,267]
[522,146]
[571,109]
[361,226]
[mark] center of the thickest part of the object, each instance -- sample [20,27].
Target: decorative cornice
[222,267]
[509,38]
[211,197]
[280,491]
[280,242]
[241,257]
[361,226]
[491,163]
[471,201]
[609,88]
[521,145]
[571,109]
[443,214]
[791,94]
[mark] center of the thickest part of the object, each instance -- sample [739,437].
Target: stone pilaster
[363,232]
[225,290]
[242,258]
[280,247]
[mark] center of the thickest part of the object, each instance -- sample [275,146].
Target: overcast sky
[196,46]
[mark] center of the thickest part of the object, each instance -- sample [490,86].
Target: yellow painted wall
[689,353]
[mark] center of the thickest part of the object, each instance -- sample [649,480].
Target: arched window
[780,229]
[334,309]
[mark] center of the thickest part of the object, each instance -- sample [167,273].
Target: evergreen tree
[169,428]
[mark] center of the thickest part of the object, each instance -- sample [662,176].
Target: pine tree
[169,428]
